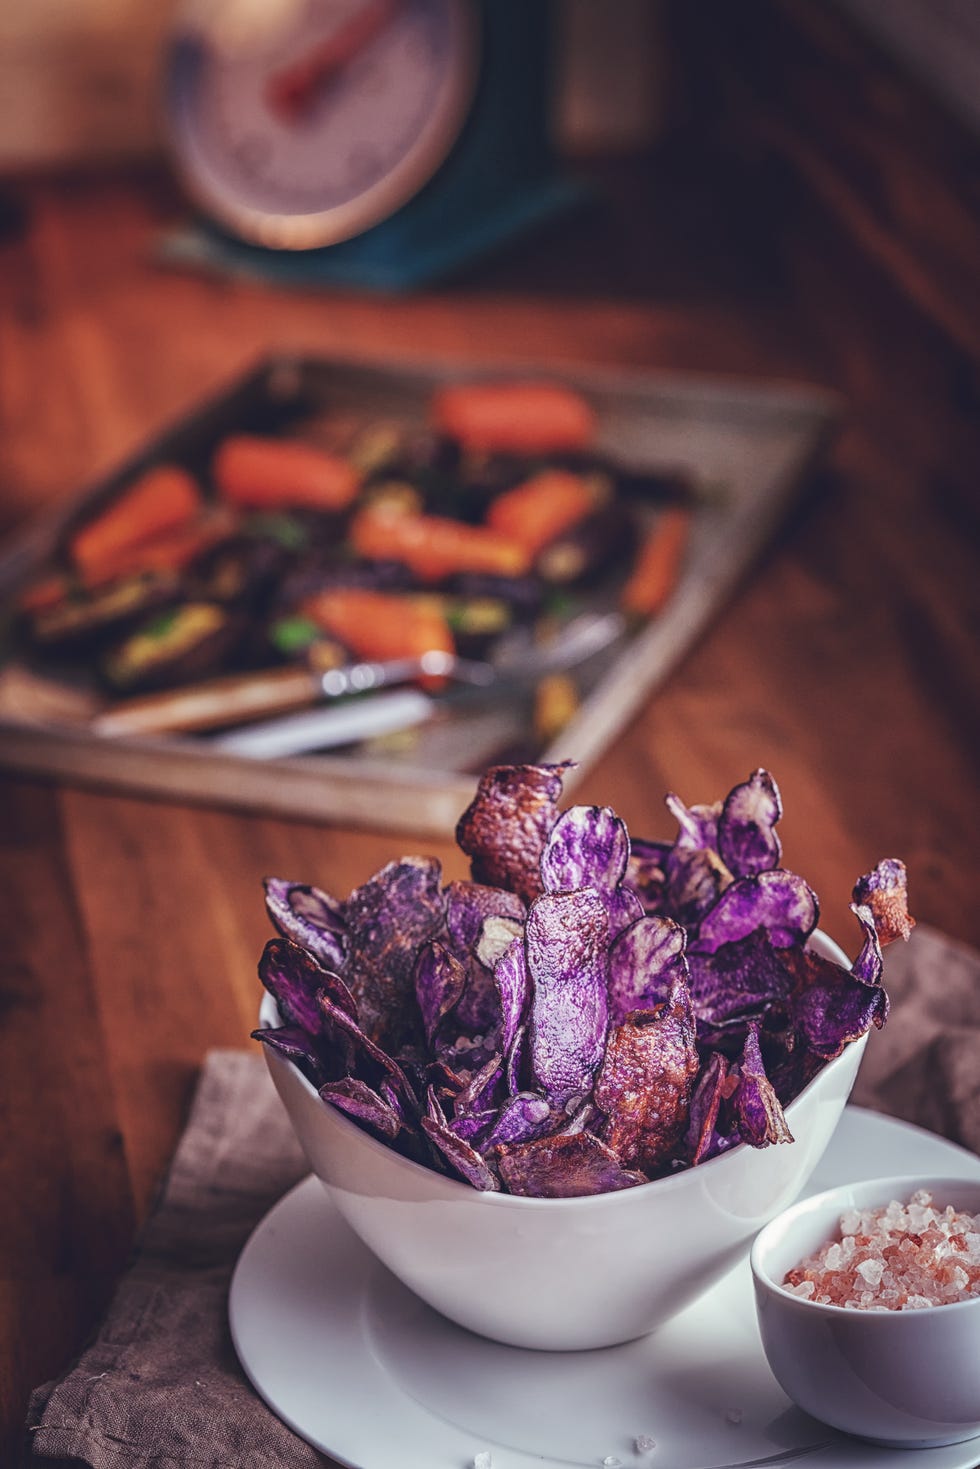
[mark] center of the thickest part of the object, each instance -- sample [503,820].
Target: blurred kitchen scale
[377,143]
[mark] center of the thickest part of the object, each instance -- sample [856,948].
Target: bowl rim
[890,1186]
[269,1014]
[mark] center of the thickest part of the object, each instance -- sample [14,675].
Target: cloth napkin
[160,1387]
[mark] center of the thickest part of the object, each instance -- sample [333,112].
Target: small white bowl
[561,1274]
[905,1379]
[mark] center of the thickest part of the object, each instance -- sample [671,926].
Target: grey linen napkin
[161,1385]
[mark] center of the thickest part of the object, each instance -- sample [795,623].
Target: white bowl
[905,1379]
[561,1274]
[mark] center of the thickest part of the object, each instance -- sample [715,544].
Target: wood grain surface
[847,663]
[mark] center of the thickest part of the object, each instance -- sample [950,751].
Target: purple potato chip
[623,907]
[780,902]
[747,840]
[758,1112]
[308,916]
[463,1160]
[696,879]
[504,829]
[390,917]
[511,978]
[439,981]
[588,848]
[296,1045]
[480,1092]
[698,824]
[472,1126]
[738,980]
[646,1080]
[646,872]
[520,1119]
[563,1167]
[869,966]
[362,1102]
[830,1006]
[584,1116]
[478,1011]
[367,1053]
[567,937]
[644,961]
[495,938]
[469,904]
[294,979]
[714,1085]
[885,891]
[434,1109]
[517,1059]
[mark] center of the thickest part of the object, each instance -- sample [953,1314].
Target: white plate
[359,1367]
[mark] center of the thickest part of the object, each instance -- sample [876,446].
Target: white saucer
[360,1368]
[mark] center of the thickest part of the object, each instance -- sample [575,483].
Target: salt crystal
[483,1460]
[734,1416]
[611,1462]
[644,1444]
[871,1270]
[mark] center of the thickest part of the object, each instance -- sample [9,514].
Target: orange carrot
[171,551]
[269,474]
[162,499]
[434,546]
[513,417]
[658,563]
[382,624]
[541,508]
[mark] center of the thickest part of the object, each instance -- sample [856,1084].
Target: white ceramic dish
[897,1377]
[368,1374]
[561,1274]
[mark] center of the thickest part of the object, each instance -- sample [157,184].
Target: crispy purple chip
[390,917]
[506,826]
[567,1166]
[482,1088]
[829,1005]
[308,916]
[644,961]
[588,848]
[511,978]
[362,1102]
[698,825]
[696,877]
[472,1126]
[297,1045]
[885,891]
[646,872]
[747,840]
[369,1057]
[758,1112]
[294,979]
[469,905]
[439,981]
[869,966]
[520,1118]
[645,1082]
[567,937]
[737,981]
[714,1085]
[463,1160]
[780,902]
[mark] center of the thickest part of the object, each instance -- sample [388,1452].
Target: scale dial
[299,123]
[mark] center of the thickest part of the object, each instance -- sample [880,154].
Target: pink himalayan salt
[900,1257]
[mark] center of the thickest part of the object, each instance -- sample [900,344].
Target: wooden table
[847,664]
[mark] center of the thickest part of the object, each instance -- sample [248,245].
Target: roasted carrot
[658,563]
[542,508]
[265,474]
[171,551]
[160,500]
[382,625]
[433,546]
[515,417]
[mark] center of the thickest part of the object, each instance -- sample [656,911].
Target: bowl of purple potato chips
[558,1100]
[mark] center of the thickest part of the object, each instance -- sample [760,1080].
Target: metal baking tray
[750,441]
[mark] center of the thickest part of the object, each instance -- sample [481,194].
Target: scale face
[301,123]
